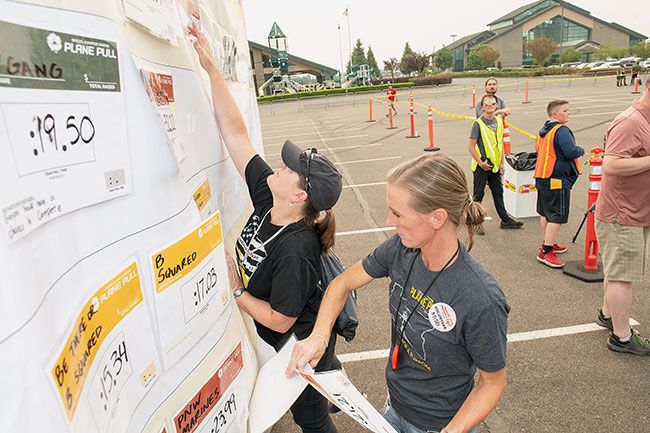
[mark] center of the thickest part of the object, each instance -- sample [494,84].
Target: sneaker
[605,322]
[480,230]
[637,345]
[511,224]
[559,249]
[549,259]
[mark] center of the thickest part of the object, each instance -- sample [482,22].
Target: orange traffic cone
[506,138]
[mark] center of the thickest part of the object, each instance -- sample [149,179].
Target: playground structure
[360,75]
[281,80]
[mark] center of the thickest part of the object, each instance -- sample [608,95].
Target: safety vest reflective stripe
[492,142]
[546,156]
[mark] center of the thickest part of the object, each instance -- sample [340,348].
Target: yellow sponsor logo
[99,316]
[202,195]
[179,259]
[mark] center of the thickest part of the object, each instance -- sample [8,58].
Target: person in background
[556,170]
[486,149]
[391,95]
[621,77]
[449,317]
[623,222]
[491,87]
[277,270]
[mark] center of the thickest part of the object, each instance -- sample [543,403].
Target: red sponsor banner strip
[197,409]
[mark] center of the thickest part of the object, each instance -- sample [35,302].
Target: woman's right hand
[310,350]
[203,49]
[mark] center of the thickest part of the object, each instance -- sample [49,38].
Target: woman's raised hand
[203,49]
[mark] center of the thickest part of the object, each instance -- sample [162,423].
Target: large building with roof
[568,25]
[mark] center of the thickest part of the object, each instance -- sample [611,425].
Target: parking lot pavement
[562,379]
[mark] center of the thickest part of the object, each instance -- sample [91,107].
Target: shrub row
[532,72]
[418,81]
[331,92]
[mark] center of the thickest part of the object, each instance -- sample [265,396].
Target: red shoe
[559,249]
[550,259]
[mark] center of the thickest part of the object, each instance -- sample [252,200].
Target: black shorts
[554,204]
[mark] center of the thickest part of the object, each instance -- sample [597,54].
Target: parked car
[630,61]
[607,65]
[570,64]
[581,65]
[645,64]
[593,65]
[492,68]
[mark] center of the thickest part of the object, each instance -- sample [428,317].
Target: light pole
[453,52]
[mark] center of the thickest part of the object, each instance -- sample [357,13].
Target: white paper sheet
[274,393]
[192,291]
[338,389]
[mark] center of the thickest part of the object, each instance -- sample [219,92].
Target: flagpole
[341,57]
[347,10]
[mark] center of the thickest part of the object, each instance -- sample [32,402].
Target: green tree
[407,51]
[391,66]
[541,49]
[372,62]
[473,60]
[443,58]
[358,56]
[487,55]
[641,49]
[570,55]
[603,52]
[415,62]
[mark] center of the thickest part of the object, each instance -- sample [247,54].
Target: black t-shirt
[280,268]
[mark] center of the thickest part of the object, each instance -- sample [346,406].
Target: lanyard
[394,360]
[249,250]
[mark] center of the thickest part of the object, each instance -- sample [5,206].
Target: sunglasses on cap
[307,156]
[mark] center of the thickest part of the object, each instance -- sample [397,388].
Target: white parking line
[520,336]
[301,121]
[360,185]
[321,139]
[337,148]
[313,133]
[358,161]
[284,130]
[359,232]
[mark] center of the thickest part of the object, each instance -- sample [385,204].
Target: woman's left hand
[233,274]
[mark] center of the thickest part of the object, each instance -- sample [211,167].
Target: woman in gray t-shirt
[449,316]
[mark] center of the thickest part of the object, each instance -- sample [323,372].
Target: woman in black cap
[277,270]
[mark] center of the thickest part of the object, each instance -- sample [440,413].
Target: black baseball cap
[324,182]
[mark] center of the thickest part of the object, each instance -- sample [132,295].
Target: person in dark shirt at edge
[277,271]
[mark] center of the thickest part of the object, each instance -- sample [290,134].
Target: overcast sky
[311,26]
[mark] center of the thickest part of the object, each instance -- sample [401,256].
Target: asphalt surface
[567,381]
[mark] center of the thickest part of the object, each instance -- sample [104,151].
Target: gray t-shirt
[439,356]
[475,133]
[500,104]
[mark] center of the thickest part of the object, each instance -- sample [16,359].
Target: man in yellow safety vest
[556,170]
[486,148]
